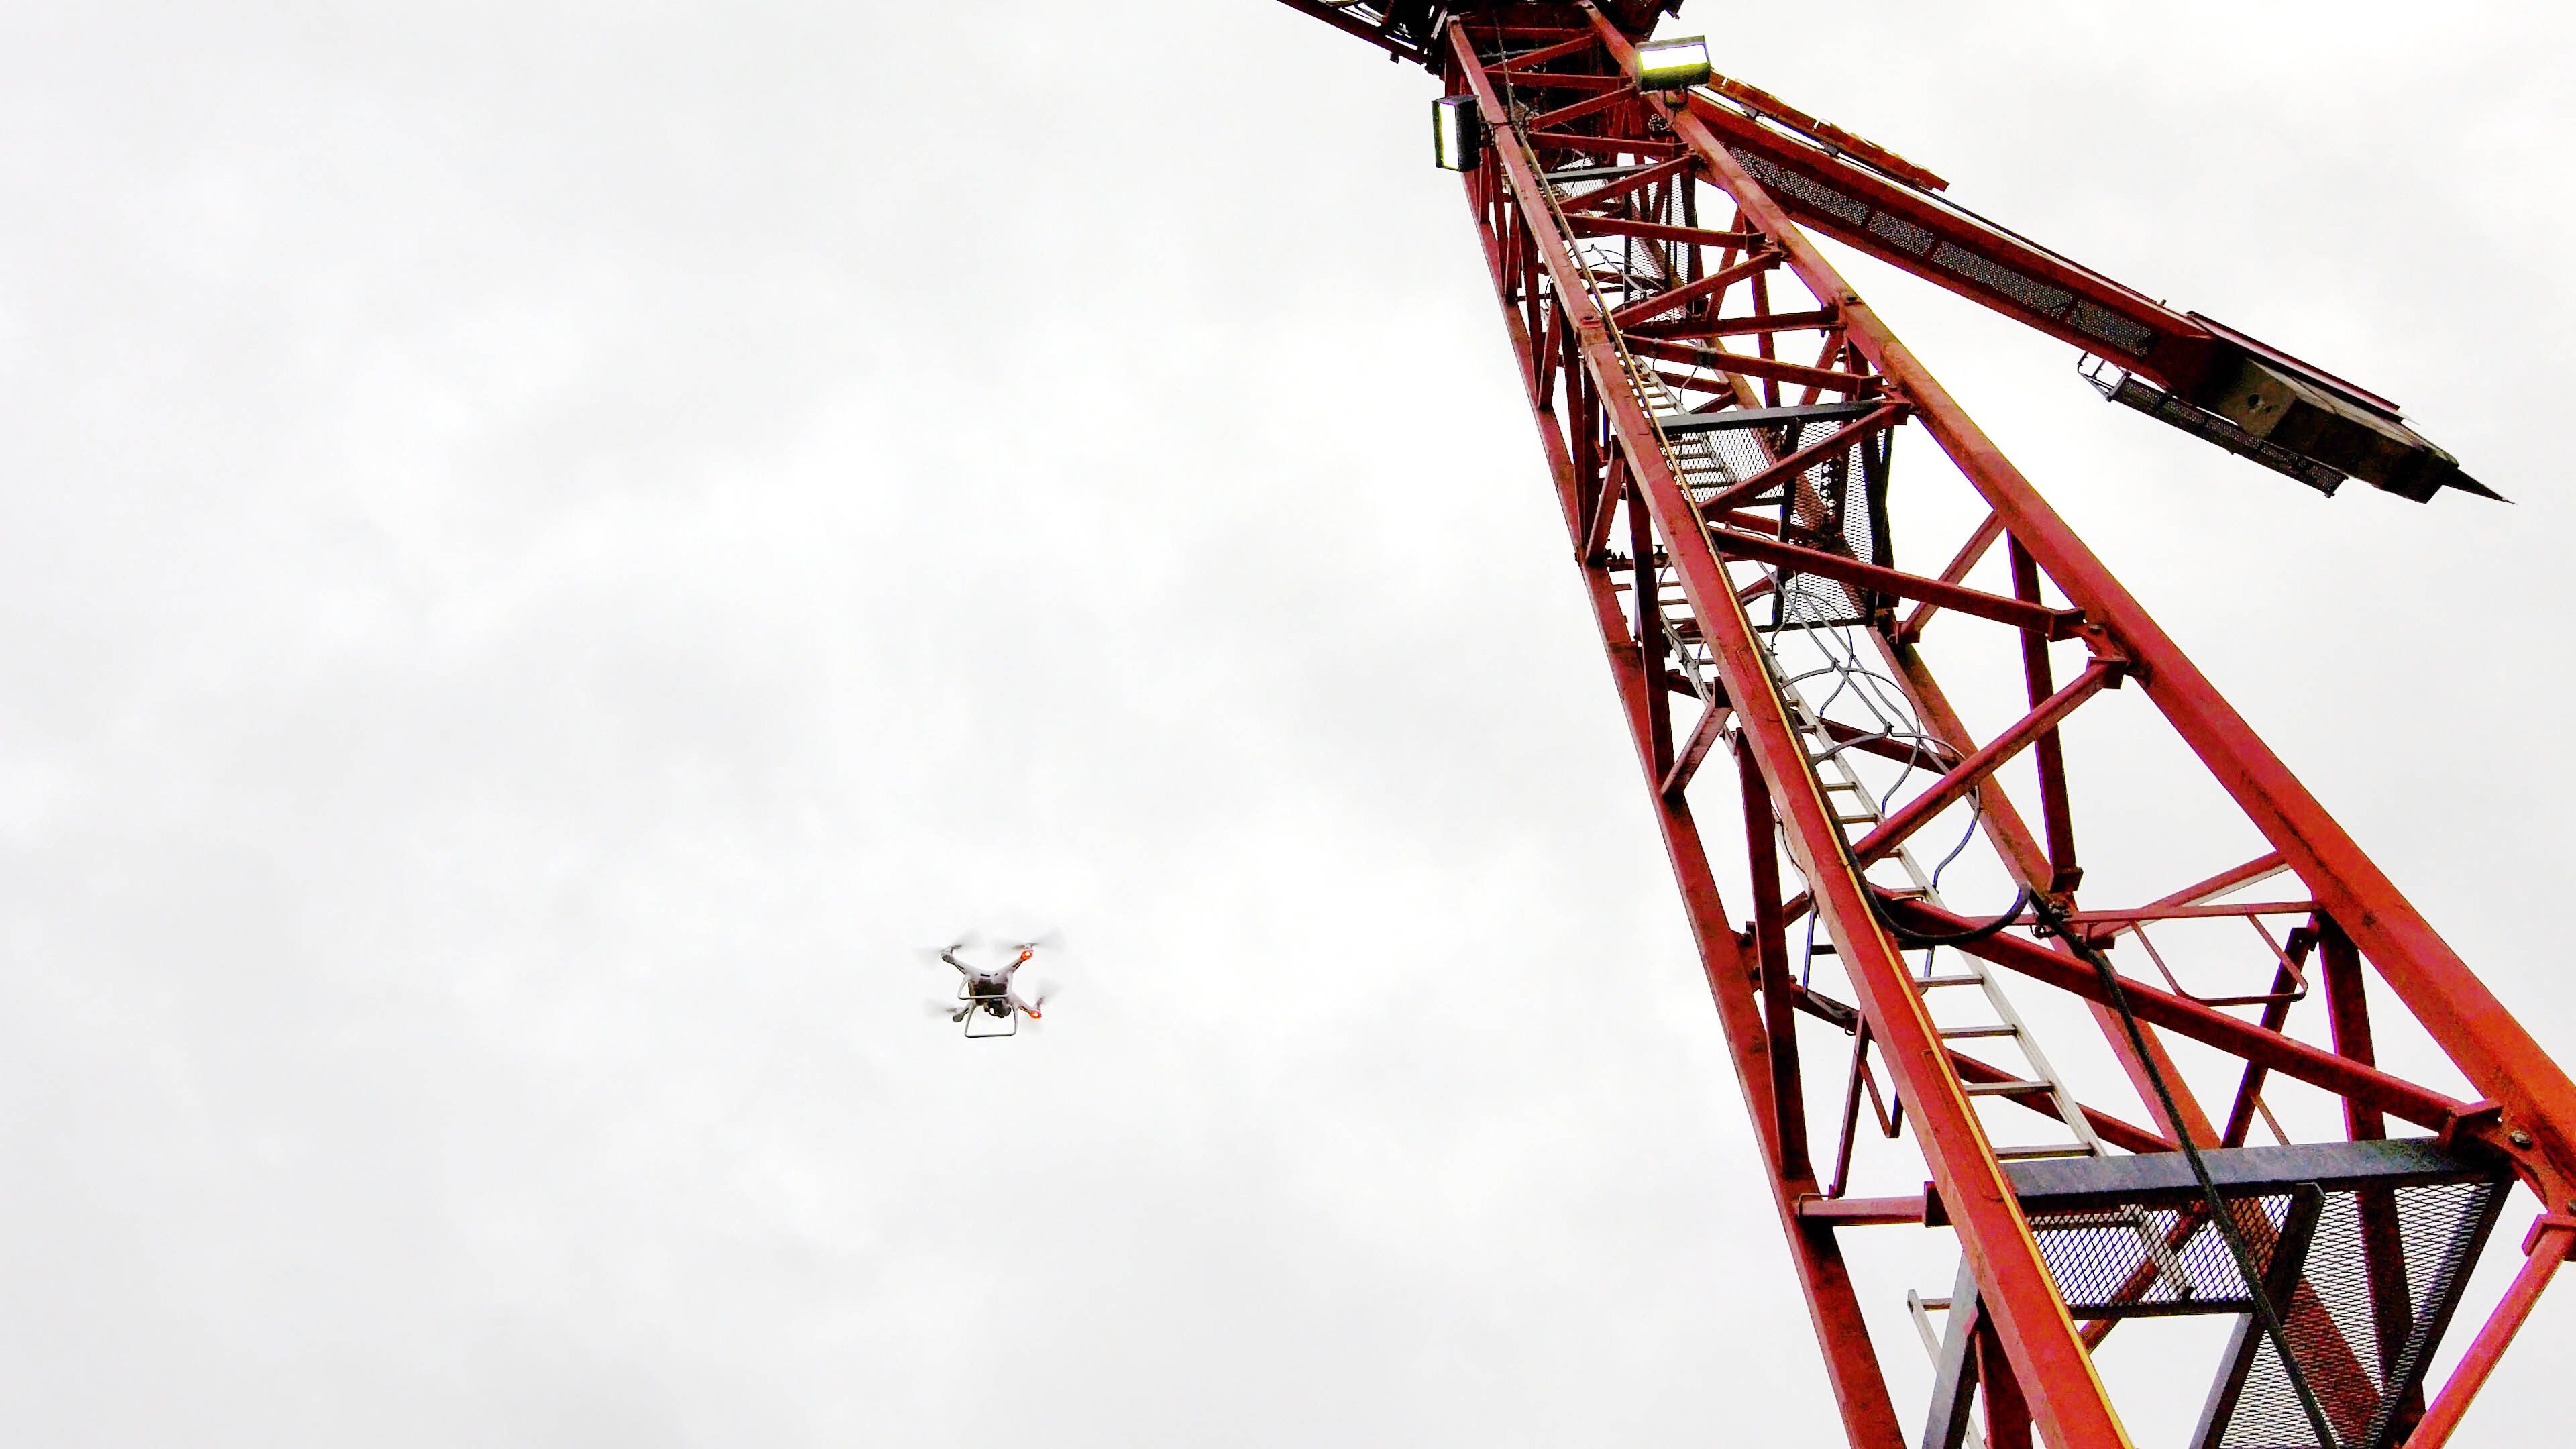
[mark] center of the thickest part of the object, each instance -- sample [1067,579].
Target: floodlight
[1672,65]
[1457,133]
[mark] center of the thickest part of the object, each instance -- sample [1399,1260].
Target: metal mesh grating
[2364,1273]
[1899,231]
[1712,461]
[1715,460]
[2137,1261]
[2109,326]
[2363,1348]
[2029,291]
[1838,505]
[1804,187]
[1984,272]
[2167,408]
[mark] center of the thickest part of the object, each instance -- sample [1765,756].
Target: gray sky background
[548,546]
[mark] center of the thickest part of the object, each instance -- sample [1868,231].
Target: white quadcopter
[984,992]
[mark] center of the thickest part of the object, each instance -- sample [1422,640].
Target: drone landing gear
[981,1022]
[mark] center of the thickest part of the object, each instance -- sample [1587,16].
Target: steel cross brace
[1606,455]
[1607,431]
[2495,1052]
[1860,1388]
[2067,1399]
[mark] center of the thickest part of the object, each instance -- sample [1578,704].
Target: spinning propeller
[985,986]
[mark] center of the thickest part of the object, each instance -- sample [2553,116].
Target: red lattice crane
[1719,410]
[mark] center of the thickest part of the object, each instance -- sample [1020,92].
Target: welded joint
[2479,1129]
[2476,1125]
[1857,1212]
[2104,649]
[2542,1227]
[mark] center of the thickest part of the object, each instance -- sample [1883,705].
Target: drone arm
[962,968]
[2214,381]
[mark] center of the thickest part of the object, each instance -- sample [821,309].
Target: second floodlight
[1672,65]
[1457,133]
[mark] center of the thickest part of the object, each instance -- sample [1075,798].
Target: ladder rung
[2008,1089]
[1928,982]
[1587,173]
[2046,1149]
[1961,1033]
[1870,819]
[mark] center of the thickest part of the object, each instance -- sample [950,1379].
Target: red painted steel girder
[1544,89]
[2196,358]
[1867,197]
[1407,29]
[2067,1398]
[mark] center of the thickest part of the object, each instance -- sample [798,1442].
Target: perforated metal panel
[2362,1357]
[2200,422]
[1975,268]
[1830,200]
[2131,1262]
[2364,1278]
[1838,505]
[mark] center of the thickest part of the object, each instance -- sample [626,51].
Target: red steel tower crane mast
[1718,408]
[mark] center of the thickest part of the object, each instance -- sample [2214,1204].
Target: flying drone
[984,992]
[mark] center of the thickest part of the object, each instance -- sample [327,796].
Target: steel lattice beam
[1626,372]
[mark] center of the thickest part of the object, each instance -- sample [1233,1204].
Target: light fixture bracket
[1457,133]
[1673,66]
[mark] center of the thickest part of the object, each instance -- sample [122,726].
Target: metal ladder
[1854,805]
[1856,812]
[1855,808]
[1701,470]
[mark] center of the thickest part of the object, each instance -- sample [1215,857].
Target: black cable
[1911,937]
[2228,1229]
[2054,918]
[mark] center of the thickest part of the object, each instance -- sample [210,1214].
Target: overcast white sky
[547,546]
